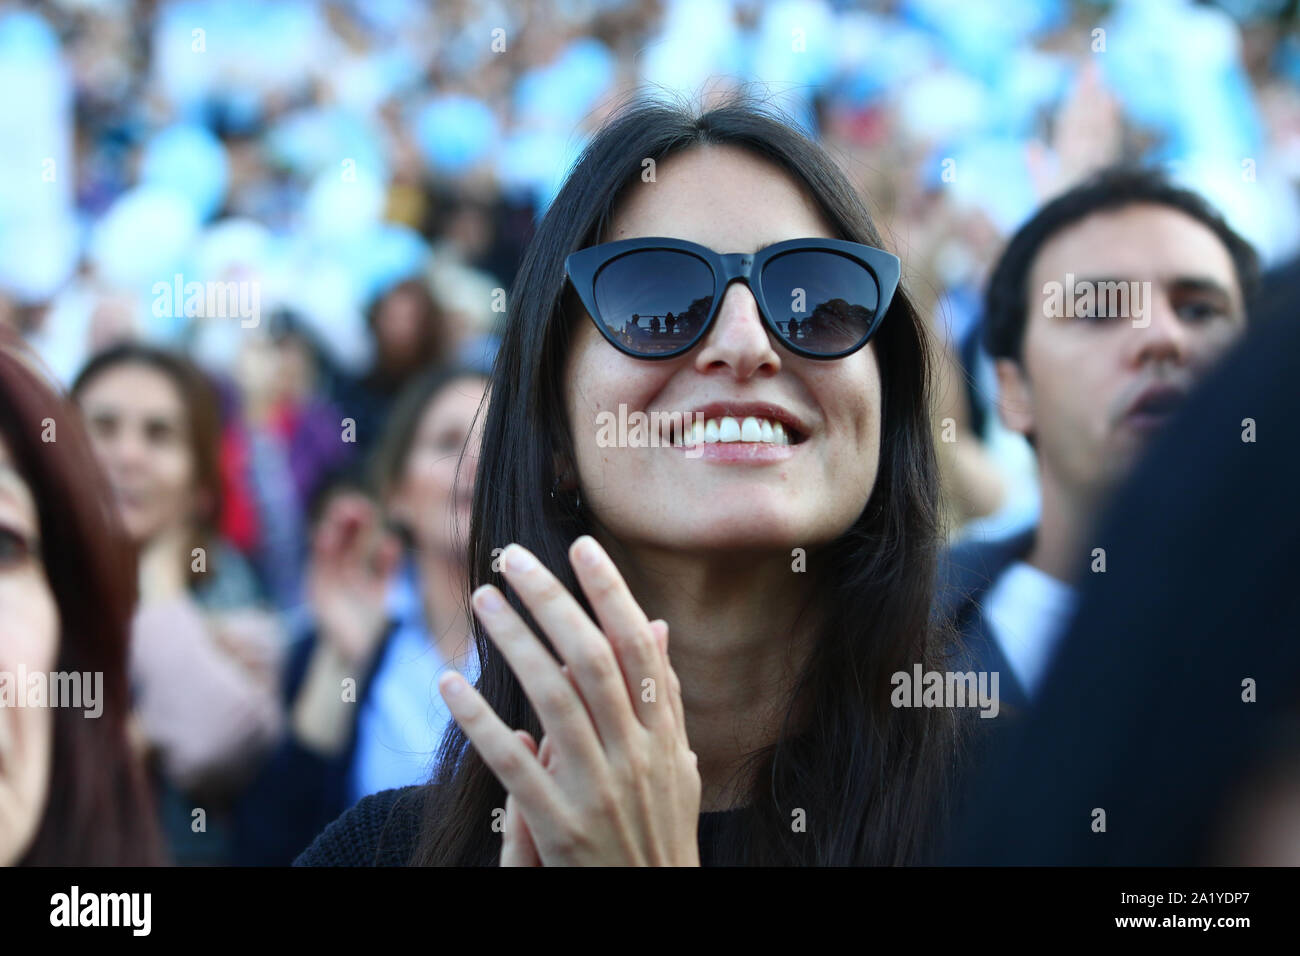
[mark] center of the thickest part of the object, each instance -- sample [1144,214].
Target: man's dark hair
[1005,312]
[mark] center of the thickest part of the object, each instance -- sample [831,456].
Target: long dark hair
[99,810]
[870,775]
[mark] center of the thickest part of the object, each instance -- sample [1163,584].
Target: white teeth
[727,429]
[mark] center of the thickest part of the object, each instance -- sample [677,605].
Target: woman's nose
[739,338]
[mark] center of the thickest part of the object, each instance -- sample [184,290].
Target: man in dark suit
[1103,311]
[969,569]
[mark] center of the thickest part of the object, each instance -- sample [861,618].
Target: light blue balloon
[317,139]
[565,91]
[385,256]
[190,161]
[25,36]
[454,132]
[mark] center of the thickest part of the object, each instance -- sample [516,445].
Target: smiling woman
[204,654]
[773,716]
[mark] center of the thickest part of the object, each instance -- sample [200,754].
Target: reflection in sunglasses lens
[654,301]
[821,301]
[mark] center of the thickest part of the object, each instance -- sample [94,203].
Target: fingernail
[586,552]
[454,686]
[488,599]
[519,560]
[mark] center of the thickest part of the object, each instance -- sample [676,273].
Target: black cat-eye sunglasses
[655,298]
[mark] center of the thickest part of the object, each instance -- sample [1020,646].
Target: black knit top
[383,829]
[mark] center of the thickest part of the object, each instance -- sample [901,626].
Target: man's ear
[1015,397]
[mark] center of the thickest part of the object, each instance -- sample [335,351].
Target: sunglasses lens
[654,301]
[821,302]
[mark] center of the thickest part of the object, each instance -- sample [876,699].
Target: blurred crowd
[357,181]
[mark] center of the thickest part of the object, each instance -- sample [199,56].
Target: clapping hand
[614,780]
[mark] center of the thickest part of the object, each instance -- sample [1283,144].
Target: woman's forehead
[457,399]
[139,387]
[722,197]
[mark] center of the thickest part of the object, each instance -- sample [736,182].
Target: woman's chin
[735,531]
[139,530]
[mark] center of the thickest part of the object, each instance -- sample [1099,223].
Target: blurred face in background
[1092,388]
[401,326]
[427,498]
[256,373]
[295,368]
[273,370]
[139,428]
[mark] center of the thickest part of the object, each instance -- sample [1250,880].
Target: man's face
[1094,383]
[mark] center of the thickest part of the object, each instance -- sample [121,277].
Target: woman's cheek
[431,485]
[29,633]
[430,494]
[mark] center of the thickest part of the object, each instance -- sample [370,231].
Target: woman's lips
[130,499]
[738,452]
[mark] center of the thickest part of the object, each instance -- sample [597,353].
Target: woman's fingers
[628,630]
[334,556]
[558,705]
[386,557]
[590,655]
[517,847]
[507,756]
[611,710]
[660,628]
[359,539]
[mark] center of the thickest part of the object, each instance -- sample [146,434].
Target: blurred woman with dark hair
[205,656]
[410,335]
[71,789]
[364,713]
